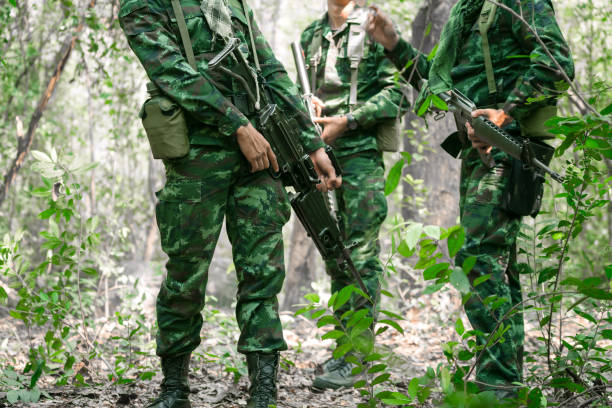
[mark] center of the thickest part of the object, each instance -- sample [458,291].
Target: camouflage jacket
[216,104]
[525,76]
[378,97]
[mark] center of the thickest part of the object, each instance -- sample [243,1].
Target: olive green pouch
[163,119]
[165,125]
[388,135]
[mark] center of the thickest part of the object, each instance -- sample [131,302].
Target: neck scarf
[217,16]
[462,17]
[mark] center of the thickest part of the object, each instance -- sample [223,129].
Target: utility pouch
[534,124]
[523,195]
[388,136]
[165,125]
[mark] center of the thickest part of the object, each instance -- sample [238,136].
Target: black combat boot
[262,373]
[175,386]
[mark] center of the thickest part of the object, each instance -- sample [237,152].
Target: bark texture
[439,171]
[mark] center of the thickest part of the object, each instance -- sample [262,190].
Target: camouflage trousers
[362,208]
[490,235]
[201,188]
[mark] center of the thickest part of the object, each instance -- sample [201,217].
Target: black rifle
[296,169]
[485,130]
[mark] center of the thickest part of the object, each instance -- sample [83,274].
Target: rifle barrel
[300,66]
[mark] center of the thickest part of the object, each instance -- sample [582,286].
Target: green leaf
[341,350]
[377,368]
[392,315]
[606,334]
[312,297]
[327,320]
[393,179]
[433,288]
[48,213]
[482,279]
[393,324]
[432,53]
[413,234]
[433,271]
[455,241]
[459,328]
[459,280]
[468,264]
[433,231]
[607,110]
[608,270]
[381,379]
[424,106]
[41,157]
[439,103]
[343,296]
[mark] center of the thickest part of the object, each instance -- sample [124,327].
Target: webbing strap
[354,51]
[487,15]
[180,19]
[315,51]
[254,49]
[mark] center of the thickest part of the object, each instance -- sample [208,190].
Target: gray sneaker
[338,375]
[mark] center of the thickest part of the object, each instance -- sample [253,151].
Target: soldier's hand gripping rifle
[528,153]
[296,169]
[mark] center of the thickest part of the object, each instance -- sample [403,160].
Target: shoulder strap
[314,50]
[355,51]
[487,15]
[251,37]
[180,19]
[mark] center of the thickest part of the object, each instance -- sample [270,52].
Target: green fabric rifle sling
[180,20]
[163,119]
[533,125]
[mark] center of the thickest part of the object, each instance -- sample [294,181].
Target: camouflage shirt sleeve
[156,47]
[387,103]
[543,78]
[277,78]
[404,56]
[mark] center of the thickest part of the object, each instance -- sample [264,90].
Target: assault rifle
[296,169]
[529,153]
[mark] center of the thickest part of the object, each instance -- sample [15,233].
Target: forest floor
[429,321]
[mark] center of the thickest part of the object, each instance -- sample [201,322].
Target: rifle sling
[180,20]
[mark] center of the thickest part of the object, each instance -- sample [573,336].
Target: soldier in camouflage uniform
[352,130]
[222,175]
[526,80]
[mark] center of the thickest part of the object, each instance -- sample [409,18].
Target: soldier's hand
[497,116]
[318,105]
[477,144]
[256,149]
[325,170]
[333,127]
[381,29]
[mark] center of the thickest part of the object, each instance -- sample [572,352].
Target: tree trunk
[300,268]
[439,171]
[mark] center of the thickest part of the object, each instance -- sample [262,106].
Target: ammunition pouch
[388,135]
[534,125]
[523,195]
[165,125]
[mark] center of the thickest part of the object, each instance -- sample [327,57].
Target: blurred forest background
[80,260]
